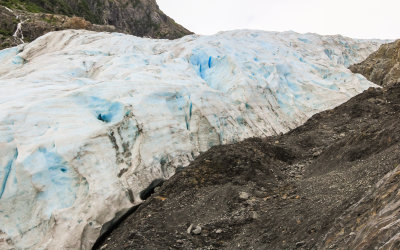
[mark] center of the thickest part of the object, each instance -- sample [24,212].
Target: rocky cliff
[136,17]
[19,26]
[24,21]
[383,66]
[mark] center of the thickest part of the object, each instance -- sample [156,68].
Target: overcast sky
[353,18]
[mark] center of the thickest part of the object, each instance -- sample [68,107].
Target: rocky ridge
[24,21]
[383,66]
[329,184]
[20,26]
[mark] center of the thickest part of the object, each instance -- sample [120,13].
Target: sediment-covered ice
[88,120]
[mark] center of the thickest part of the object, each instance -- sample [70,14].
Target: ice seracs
[88,120]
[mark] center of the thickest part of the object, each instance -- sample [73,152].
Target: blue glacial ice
[102,109]
[54,180]
[5,172]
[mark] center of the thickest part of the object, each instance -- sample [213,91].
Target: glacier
[88,120]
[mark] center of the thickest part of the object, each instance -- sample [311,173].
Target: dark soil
[281,192]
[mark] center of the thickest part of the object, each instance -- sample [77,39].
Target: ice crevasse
[88,120]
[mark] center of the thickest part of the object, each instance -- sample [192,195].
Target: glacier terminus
[88,120]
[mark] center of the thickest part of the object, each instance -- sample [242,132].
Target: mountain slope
[20,26]
[382,66]
[320,186]
[136,17]
[36,17]
[88,120]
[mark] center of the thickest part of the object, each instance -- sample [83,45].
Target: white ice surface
[88,120]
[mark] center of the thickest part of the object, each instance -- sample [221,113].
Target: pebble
[254,215]
[189,230]
[218,231]
[316,154]
[197,230]
[300,244]
[244,195]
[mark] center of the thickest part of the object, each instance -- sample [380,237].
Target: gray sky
[353,18]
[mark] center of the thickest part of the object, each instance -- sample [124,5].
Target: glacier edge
[95,117]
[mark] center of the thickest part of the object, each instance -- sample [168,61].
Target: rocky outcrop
[19,26]
[285,192]
[24,21]
[137,17]
[383,66]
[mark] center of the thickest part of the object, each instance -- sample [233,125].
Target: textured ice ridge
[88,119]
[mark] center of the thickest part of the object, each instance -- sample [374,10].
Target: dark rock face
[383,66]
[7,27]
[137,17]
[312,188]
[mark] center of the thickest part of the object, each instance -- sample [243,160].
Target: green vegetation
[49,20]
[6,32]
[4,45]
[79,8]
[22,5]
[64,7]
[84,11]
